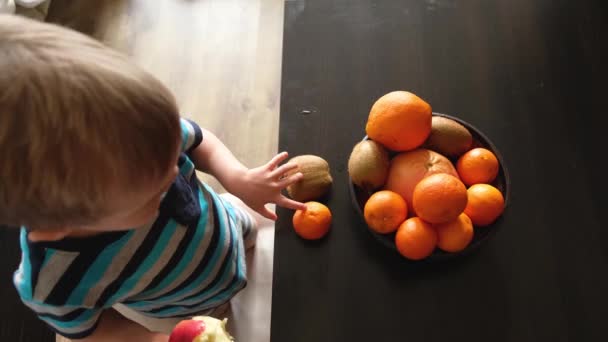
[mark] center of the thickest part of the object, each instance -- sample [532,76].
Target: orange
[485,204]
[439,198]
[415,239]
[407,169]
[314,222]
[478,165]
[400,121]
[384,211]
[454,236]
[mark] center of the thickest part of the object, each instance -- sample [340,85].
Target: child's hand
[256,187]
[262,185]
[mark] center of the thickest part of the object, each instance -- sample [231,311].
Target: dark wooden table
[532,75]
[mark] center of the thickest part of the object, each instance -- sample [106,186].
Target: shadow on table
[477,310]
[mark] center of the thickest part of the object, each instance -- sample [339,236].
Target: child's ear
[48,234]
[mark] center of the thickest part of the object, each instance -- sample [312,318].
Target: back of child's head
[77,122]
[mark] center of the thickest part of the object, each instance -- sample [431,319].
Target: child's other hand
[262,185]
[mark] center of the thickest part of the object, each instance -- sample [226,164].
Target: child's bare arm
[257,186]
[114,327]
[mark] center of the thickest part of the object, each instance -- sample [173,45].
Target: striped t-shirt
[189,260]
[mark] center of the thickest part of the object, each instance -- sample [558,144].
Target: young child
[98,170]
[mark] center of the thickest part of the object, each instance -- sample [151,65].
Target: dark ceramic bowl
[482,234]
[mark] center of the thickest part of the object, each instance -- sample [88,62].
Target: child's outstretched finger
[276,160]
[267,213]
[290,204]
[285,182]
[283,169]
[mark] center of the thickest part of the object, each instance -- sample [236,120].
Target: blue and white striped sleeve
[192,135]
[72,323]
[34,283]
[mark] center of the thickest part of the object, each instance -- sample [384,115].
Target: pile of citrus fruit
[417,192]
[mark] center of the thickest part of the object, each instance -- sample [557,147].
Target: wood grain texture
[531,75]
[222,60]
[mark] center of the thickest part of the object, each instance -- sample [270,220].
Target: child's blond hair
[77,122]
